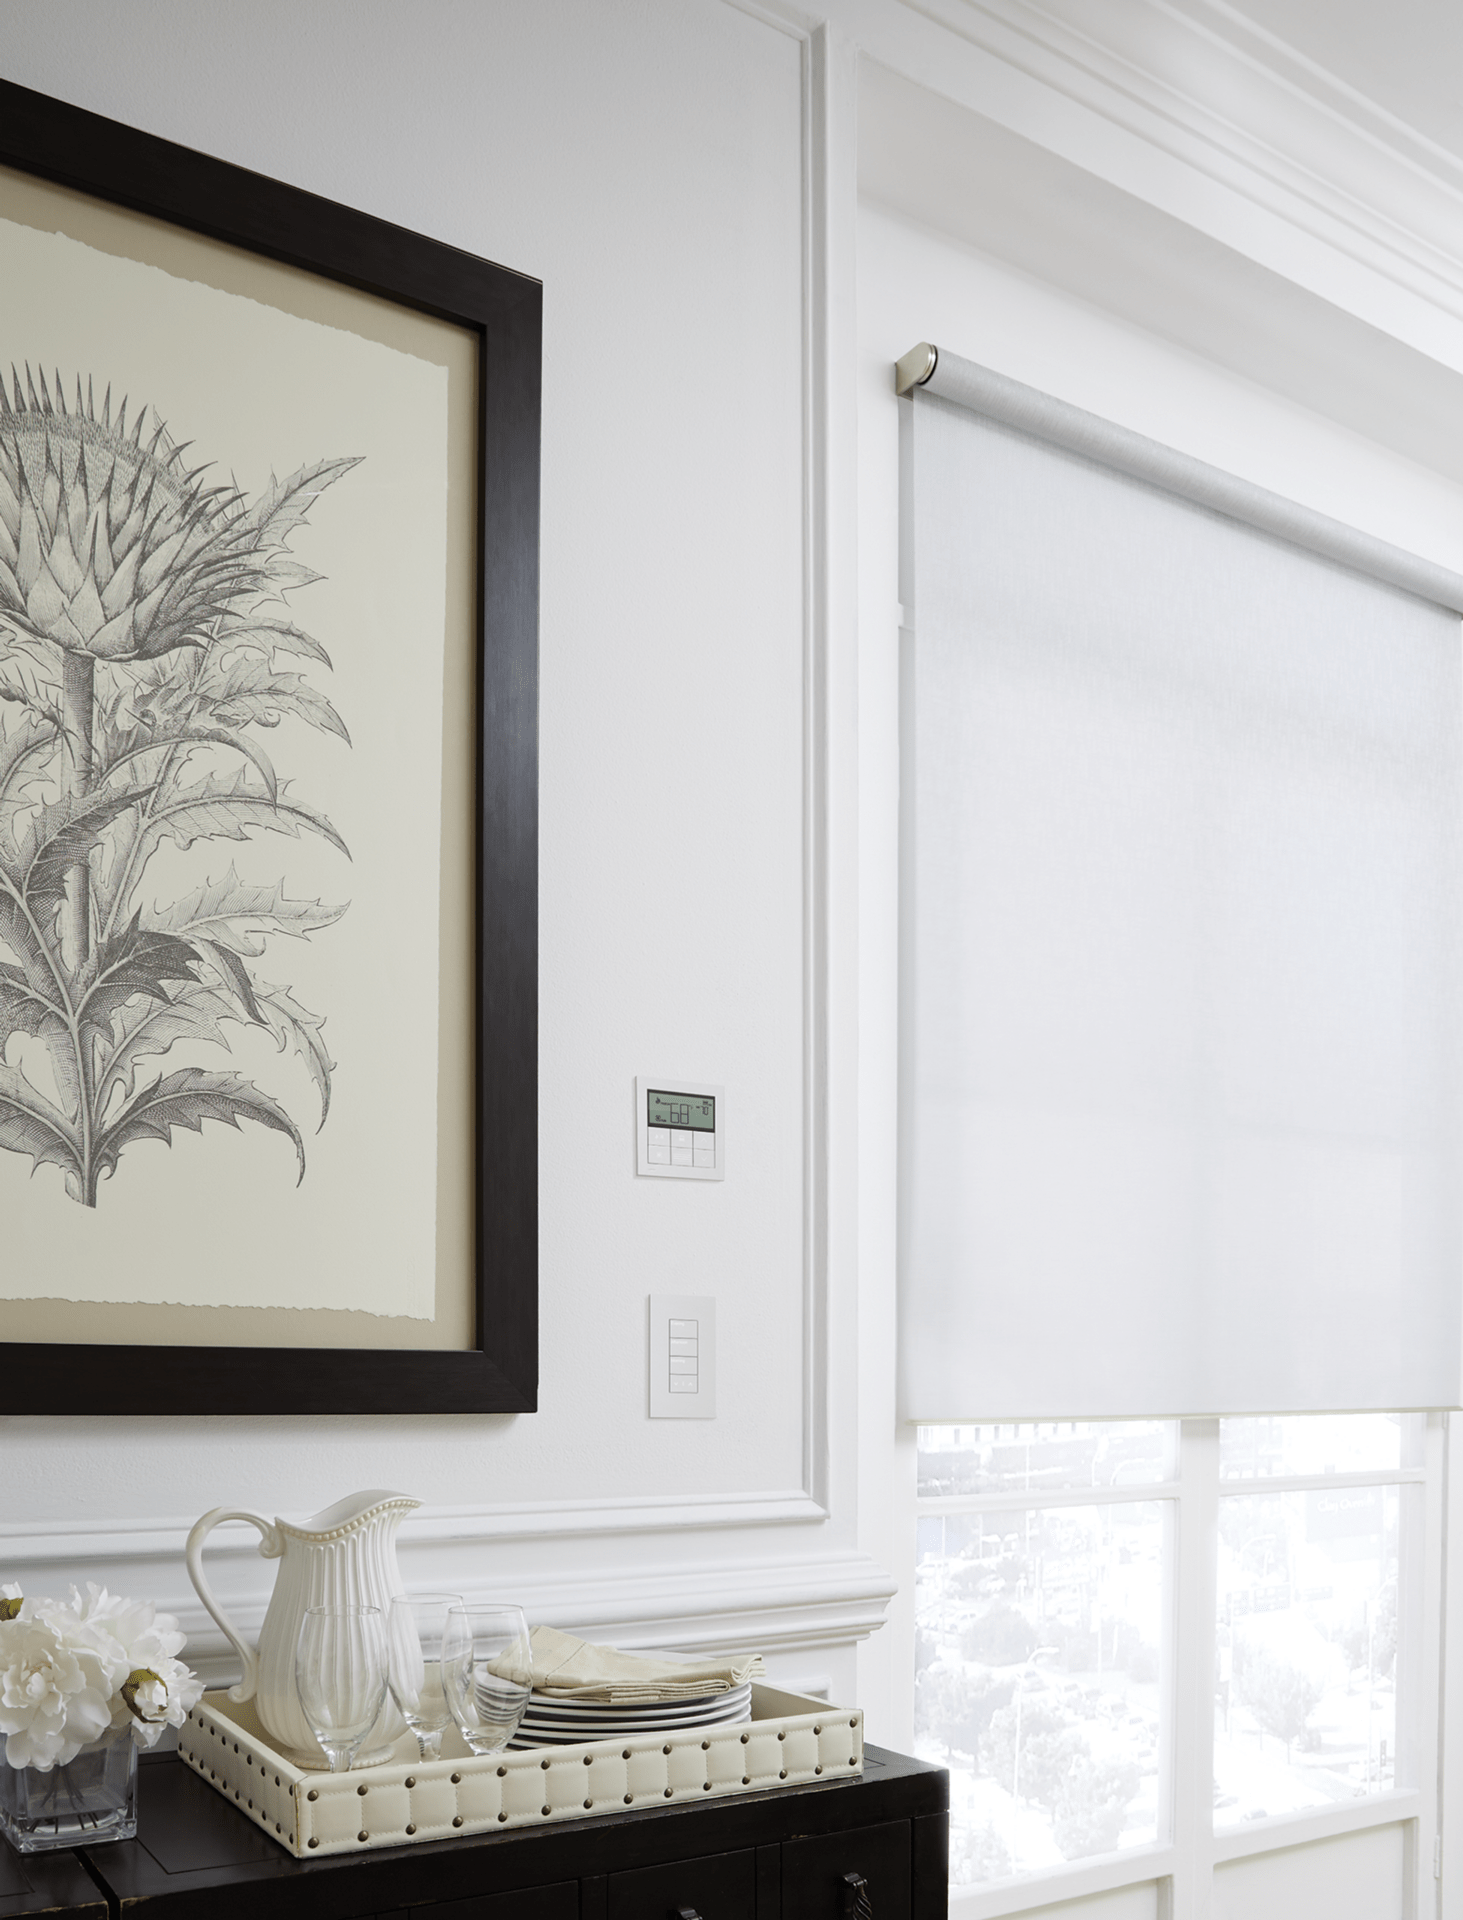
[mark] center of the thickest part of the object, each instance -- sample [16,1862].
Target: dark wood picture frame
[117,164]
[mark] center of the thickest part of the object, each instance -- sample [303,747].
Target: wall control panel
[682,1356]
[680,1128]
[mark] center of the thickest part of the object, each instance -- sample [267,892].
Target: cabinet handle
[685,1913]
[857,1904]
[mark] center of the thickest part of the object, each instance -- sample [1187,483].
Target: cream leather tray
[791,1740]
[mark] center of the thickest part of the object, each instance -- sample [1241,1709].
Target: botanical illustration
[143,627]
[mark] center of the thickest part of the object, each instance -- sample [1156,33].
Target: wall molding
[794,1601]
[795,24]
[89,1544]
[1250,113]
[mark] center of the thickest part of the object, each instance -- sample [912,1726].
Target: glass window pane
[1306,1708]
[1040,1644]
[1274,1445]
[1042,1456]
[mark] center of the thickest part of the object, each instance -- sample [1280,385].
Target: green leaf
[241,917]
[186,1099]
[30,1124]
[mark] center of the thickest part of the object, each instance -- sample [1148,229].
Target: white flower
[54,1697]
[73,1672]
[156,1690]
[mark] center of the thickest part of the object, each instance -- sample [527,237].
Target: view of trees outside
[1306,1700]
[1039,1642]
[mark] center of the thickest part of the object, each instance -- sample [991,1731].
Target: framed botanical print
[269,481]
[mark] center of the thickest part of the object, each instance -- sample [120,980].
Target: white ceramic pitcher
[345,1555]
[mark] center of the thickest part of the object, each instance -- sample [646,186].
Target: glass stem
[430,1743]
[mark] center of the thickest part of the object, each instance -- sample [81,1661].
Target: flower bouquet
[83,1684]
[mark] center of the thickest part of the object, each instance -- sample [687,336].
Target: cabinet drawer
[718,1886]
[558,1902]
[821,1876]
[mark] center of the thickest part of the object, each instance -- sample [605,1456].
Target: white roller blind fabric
[1180,1104]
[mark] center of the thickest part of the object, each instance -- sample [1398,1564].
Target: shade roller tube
[1044,417]
[1181,1102]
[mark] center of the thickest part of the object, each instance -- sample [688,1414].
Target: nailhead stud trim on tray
[438,1799]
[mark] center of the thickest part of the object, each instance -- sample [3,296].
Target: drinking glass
[340,1672]
[486,1663]
[414,1630]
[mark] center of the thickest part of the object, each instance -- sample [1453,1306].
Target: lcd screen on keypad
[693,1110]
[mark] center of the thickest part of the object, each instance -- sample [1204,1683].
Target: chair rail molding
[86,1546]
[777,1591]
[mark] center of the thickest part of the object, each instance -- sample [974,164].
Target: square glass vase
[91,1799]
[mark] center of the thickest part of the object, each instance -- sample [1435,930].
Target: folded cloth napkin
[563,1668]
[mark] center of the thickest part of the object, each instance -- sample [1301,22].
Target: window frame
[1188,1851]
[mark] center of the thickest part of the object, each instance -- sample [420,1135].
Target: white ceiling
[1404,55]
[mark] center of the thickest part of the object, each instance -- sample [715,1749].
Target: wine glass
[340,1673]
[414,1664]
[486,1664]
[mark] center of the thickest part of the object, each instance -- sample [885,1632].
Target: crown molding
[1249,114]
[1192,110]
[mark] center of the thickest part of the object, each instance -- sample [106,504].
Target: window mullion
[1191,1680]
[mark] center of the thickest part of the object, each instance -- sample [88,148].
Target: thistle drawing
[142,619]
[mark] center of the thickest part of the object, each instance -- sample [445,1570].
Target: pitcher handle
[271,1546]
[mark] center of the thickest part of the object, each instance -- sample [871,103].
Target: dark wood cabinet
[866,1849]
[718,1886]
[827,1876]
[559,1902]
[52,1884]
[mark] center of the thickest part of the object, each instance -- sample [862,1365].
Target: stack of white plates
[566,1723]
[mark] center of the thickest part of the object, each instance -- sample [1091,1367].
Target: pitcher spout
[354,1511]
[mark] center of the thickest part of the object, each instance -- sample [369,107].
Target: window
[1075,1579]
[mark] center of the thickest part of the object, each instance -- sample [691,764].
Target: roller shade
[1180,1048]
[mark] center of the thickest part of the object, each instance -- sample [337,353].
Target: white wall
[647,162]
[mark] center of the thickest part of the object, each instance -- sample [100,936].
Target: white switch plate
[682,1356]
[668,1153]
